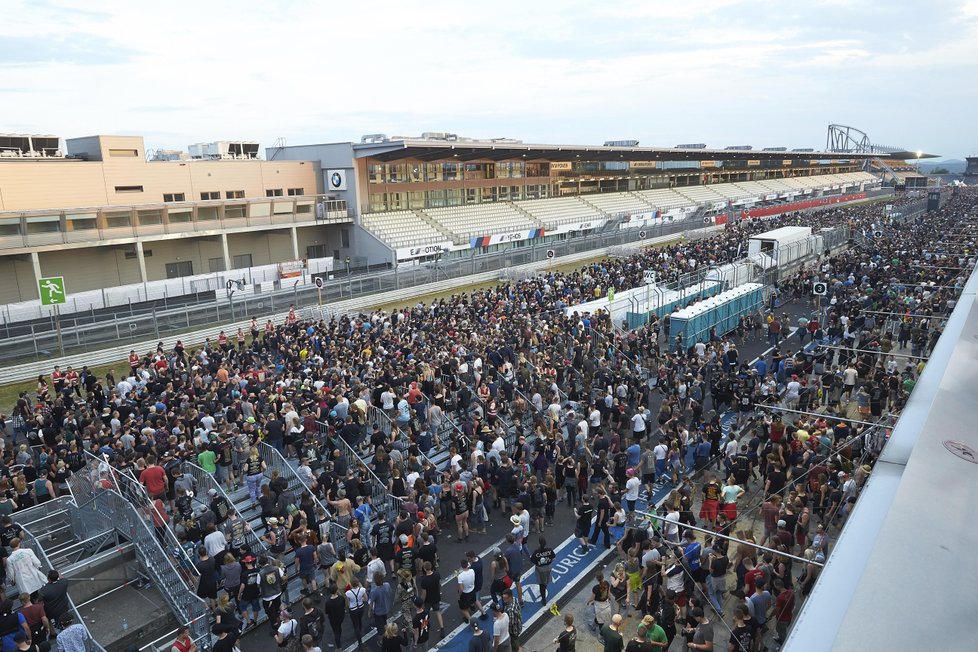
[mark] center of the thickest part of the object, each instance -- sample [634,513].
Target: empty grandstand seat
[402,228]
[560,210]
[664,198]
[465,222]
[618,203]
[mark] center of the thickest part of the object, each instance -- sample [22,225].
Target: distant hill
[952,165]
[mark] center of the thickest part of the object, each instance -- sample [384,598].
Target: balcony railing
[20,229]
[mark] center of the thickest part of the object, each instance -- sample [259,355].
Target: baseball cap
[212,492]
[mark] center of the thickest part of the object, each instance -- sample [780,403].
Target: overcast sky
[721,72]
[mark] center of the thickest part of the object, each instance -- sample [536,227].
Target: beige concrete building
[101,215]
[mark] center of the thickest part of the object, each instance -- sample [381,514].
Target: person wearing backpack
[538,501]
[287,634]
[312,621]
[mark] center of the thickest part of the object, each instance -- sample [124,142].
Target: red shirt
[750,580]
[154,477]
[785,606]
[133,360]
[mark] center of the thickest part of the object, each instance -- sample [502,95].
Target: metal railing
[206,482]
[28,540]
[158,319]
[105,498]
[380,498]
[296,486]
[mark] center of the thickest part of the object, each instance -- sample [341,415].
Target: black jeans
[598,528]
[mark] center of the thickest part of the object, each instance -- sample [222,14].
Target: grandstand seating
[459,223]
[616,203]
[465,222]
[701,194]
[664,198]
[560,210]
[402,228]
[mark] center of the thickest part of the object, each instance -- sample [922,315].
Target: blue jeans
[715,598]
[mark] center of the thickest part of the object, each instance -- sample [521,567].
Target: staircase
[111,516]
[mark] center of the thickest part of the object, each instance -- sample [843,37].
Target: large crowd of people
[531,406]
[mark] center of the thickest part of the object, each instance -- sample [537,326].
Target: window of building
[43,224]
[150,217]
[81,222]
[241,261]
[132,255]
[273,192]
[296,192]
[179,269]
[345,238]
[180,216]
[374,173]
[317,251]
[234,194]
[215,265]
[124,153]
[174,196]
[235,211]
[118,220]
[207,196]
[9,228]
[128,188]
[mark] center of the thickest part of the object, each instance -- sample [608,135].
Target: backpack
[292,642]
[536,498]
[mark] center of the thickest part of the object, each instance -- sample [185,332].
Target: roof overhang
[426,150]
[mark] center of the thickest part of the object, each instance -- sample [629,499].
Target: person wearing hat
[500,629]
[460,503]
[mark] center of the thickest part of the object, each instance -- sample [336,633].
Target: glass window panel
[118,219]
[81,221]
[207,213]
[9,228]
[180,216]
[150,217]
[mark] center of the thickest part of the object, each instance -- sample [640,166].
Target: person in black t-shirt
[584,513]
[420,626]
[429,590]
[542,559]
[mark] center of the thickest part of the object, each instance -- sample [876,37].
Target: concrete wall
[27,185]
[89,269]
[18,279]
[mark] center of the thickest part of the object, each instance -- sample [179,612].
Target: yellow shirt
[802,436]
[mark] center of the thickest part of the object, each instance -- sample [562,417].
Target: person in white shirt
[466,592]
[792,393]
[632,487]
[638,424]
[500,629]
[671,528]
[215,542]
[594,419]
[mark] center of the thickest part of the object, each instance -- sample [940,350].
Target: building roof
[427,149]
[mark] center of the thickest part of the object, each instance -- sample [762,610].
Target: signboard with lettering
[420,251]
[641,165]
[560,166]
[501,238]
[578,226]
[291,268]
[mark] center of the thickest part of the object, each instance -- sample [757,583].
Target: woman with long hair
[394,639]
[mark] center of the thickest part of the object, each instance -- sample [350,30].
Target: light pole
[349,277]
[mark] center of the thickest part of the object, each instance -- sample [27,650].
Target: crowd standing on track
[533,409]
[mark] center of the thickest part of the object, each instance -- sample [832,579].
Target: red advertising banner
[767,211]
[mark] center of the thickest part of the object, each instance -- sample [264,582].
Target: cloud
[575,71]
